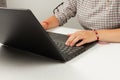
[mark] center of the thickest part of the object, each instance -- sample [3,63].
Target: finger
[43,25]
[75,41]
[69,35]
[81,43]
[70,39]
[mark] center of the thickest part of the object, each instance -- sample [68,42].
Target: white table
[101,62]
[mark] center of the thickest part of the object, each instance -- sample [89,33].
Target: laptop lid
[20,29]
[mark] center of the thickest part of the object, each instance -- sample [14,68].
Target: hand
[86,36]
[44,25]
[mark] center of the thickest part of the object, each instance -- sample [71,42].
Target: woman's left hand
[84,37]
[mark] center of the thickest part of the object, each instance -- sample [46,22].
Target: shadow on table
[12,55]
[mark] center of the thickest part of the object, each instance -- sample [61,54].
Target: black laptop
[20,29]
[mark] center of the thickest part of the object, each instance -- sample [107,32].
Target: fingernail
[67,43]
[77,45]
[71,45]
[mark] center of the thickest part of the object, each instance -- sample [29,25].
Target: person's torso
[99,14]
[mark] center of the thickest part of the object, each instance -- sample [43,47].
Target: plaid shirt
[91,14]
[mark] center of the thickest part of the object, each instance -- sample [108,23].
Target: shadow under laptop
[18,57]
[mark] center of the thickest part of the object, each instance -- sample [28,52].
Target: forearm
[112,35]
[51,22]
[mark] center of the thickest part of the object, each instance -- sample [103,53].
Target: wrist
[96,34]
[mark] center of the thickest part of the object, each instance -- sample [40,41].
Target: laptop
[20,29]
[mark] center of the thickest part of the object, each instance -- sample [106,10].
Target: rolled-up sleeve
[65,11]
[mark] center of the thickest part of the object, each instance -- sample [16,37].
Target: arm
[87,36]
[62,14]
[112,35]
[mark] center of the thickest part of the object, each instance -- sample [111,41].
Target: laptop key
[67,49]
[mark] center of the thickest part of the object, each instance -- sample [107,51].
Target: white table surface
[101,62]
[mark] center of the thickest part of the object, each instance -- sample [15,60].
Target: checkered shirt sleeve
[65,11]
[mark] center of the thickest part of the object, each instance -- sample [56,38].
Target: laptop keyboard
[67,49]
